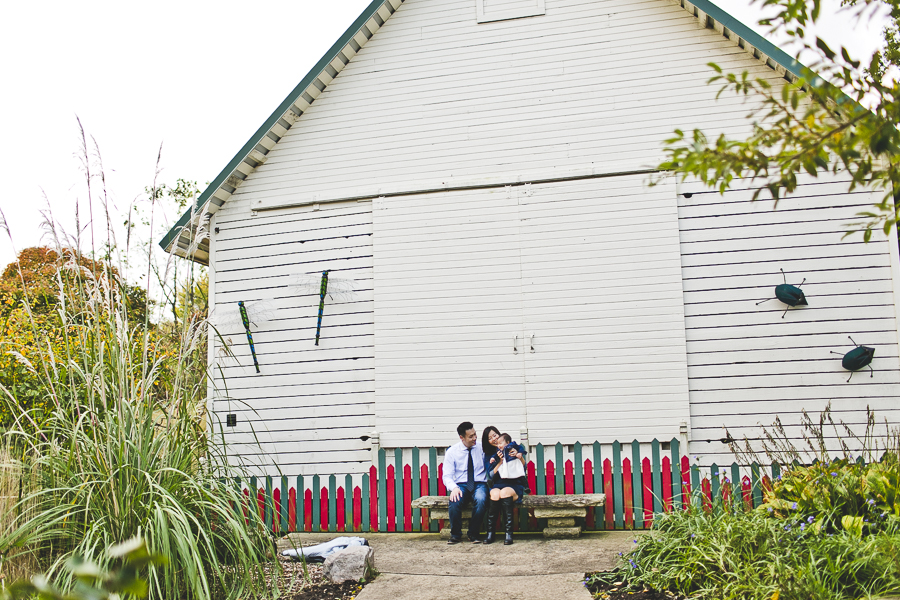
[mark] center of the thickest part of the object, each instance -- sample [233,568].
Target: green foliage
[839,492]
[815,124]
[726,553]
[92,582]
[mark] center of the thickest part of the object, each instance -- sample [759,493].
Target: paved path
[416,566]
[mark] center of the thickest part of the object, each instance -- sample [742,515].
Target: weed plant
[115,456]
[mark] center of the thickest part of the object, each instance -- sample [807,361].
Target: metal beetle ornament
[791,295]
[856,359]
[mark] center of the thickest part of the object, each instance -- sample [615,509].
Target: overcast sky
[196,76]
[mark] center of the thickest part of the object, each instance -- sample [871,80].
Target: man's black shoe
[453,540]
[474,540]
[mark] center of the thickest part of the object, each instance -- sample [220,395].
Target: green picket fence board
[269,503]
[317,503]
[599,518]
[578,469]
[299,513]
[284,504]
[656,477]
[714,483]
[432,481]
[539,470]
[239,509]
[637,485]
[560,470]
[382,490]
[736,491]
[348,503]
[677,488]
[618,498]
[695,483]
[756,483]
[398,489]
[366,506]
[416,490]
[776,472]
[332,503]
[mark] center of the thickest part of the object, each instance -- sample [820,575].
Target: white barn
[479,169]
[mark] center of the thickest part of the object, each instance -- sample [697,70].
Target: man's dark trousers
[478,498]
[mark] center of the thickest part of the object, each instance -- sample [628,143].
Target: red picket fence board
[589,489]
[726,493]
[407,498]
[766,485]
[357,509]
[341,509]
[323,510]
[747,491]
[373,499]
[261,504]
[706,488]
[391,500]
[531,473]
[647,480]
[442,490]
[626,492]
[608,490]
[551,478]
[686,480]
[667,483]
[569,478]
[423,487]
[307,510]
[276,511]
[292,509]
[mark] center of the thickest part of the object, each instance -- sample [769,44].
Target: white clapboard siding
[308,408]
[593,85]
[749,363]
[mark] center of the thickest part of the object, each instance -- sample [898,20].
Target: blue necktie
[470,473]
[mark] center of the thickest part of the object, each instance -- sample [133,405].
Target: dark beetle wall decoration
[856,359]
[791,295]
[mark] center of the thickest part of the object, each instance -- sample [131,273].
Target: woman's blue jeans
[478,498]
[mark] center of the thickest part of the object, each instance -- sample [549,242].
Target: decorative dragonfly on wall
[245,314]
[325,284]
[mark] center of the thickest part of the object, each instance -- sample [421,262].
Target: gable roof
[186,237]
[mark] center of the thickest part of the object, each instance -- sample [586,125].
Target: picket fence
[636,489]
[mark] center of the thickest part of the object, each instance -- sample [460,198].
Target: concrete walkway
[421,566]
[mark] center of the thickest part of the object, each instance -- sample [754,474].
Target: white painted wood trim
[210,331]
[449,184]
[528,11]
[895,273]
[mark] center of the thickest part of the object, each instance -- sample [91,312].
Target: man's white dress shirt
[456,462]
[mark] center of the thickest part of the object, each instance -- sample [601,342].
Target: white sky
[198,77]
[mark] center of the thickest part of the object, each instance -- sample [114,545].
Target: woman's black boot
[491,526]
[508,505]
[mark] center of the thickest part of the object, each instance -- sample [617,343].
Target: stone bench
[560,511]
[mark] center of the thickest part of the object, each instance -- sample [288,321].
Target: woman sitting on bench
[506,468]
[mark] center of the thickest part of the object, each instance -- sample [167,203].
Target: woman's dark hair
[485,444]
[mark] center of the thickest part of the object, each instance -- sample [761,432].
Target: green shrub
[732,554]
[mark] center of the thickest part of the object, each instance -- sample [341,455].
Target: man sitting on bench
[465,480]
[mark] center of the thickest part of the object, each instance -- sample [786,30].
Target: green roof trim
[718,15]
[318,69]
[778,55]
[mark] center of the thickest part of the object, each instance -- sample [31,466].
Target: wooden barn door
[602,302]
[448,299]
